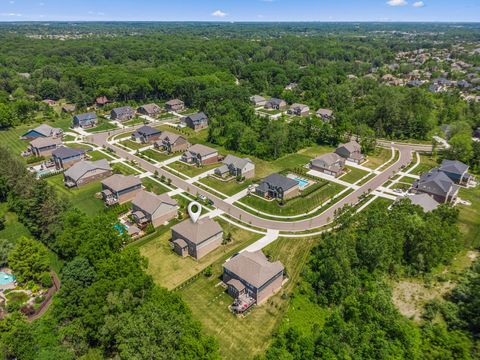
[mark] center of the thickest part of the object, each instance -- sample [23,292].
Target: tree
[28,260]
[6,247]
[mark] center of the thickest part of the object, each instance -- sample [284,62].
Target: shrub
[46,280]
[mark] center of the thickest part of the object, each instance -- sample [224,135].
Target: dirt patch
[411,296]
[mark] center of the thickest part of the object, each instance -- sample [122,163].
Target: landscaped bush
[35,159]
[46,280]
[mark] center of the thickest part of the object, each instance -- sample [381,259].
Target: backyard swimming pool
[6,279]
[301,182]
[121,228]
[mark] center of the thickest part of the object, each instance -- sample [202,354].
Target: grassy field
[379,157]
[97,155]
[170,270]
[191,170]
[353,175]
[153,186]
[103,125]
[132,145]
[82,198]
[157,155]
[124,169]
[134,121]
[243,338]
[470,216]
[226,187]
[426,164]
[13,228]
[295,206]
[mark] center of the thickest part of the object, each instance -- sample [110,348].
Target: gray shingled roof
[329,158]
[118,182]
[352,146]
[454,167]
[434,182]
[47,130]
[280,181]
[238,163]
[201,149]
[124,110]
[45,141]
[257,98]
[149,202]
[86,116]
[150,108]
[325,112]
[198,232]
[82,167]
[146,131]
[64,152]
[198,117]
[253,267]
[425,201]
[275,101]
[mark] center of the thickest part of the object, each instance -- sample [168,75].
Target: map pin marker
[194,210]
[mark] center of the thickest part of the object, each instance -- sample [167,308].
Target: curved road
[406,154]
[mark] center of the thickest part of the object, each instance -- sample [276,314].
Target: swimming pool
[121,228]
[6,279]
[301,182]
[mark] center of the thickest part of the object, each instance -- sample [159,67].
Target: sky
[240,10]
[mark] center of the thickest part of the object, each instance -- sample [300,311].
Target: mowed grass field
[191,170]
[243,338]
[13,228]
[170,270]
[228,188]
[82,198]
[426,164]
[470,217]
[153,186]
[353,175]
[379,157]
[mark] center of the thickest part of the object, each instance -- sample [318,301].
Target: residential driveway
[315,222]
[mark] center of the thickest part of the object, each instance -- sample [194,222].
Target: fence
[48,298]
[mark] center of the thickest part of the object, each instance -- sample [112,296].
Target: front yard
[191,170]
[132,145]
[353,175]
[157,155]
[153,186]
[228,188]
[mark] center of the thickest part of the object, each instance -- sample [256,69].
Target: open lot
[379,157]
[124,169]
[153,186]
[97,155]
[243,338]
[103,125]
[191,170]
[170,270]
[353,175]
[157,155]
[228,188]
[132,145]
[82,198]
[470,217]
[426,164]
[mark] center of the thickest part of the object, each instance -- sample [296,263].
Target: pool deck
[9,286]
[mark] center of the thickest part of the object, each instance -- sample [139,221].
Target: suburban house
[149,208]
[171,142]
[250,275]
[425,201]
[276,186]
[84,172]
[101,101]
[151,110]
[325,114]
[276,104]
[86,120]
[299,110]
[196,239]
[199,154]
[123,113]
[42,131]
[258,100]
[196,121]
[146,134]
[456,171]
[351,151]
[438,185]
[65,157]
[175,105]
[330,164]
[119,189]
[68,108]
[237,167]
[44,146]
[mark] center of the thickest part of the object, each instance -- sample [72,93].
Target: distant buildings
[197,122]
[175,105]
[325,114]
[123,113]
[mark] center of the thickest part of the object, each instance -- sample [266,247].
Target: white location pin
[194,210]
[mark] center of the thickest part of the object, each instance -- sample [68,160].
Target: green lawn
[97,155]
[120,168]
[226,187]
[170,270]
[316,150]
[103,125]
[470,216]
[353,175]
[426,164]
[157,155]
[82,198]
[296,206]
[190,170]
[153,186]
[132,145]
[134,121]
[379,157]
[79,146]
[244,338]
[13,228]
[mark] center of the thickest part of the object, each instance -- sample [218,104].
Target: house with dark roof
[149,208]
[43,130]
[258,100]
[171,143]
[123,113]
[330,164]
[85,172]
[252,275]
[456,171]
[438,185]
[299,110]
[65,157]
[151,110]
[44,146]
[196,121]
[146,134]
[199,154]
[86,120]
[119,189]
[276,186]
[237,167]
[275,104]
[351,151]
[196,239]
[325,114]
[175,105]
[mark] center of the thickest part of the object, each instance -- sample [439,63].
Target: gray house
[438,185]
[276,104]
[351,151]
[456,171]
[196,239]
[119,189]
[330,164]
[276,186]
[149,208]
[146,134]
[299,110]
[235,166]
[425,201]
[86,120]
[151,110]
[65,157]
[123,113]
[43,130]
[85,172]
[196,121]
[44,146]
[252,275]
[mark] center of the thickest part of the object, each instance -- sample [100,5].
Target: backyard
[170,270]
[154,186]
